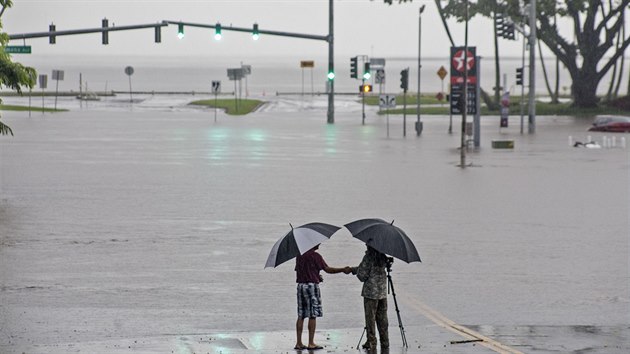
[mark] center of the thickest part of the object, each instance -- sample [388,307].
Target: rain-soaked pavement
[145,230]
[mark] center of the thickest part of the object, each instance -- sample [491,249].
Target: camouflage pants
[376,316]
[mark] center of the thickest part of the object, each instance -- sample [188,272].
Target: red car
[613,124]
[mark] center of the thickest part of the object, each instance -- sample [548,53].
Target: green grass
[542,109]
[372,100]
[245,106]
[8,107]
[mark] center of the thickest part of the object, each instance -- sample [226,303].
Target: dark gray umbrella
[385,238]
[299,240]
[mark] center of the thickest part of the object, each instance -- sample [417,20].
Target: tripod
[390,285]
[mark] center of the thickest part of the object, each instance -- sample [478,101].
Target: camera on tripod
[389,261]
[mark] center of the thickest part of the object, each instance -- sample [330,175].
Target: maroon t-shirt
[307,267]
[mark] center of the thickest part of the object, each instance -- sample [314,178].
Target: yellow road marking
[465,332]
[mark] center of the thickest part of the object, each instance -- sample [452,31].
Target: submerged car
[614,124]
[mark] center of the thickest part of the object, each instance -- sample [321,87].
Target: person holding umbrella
[309,304]
[382,238]
[371,271]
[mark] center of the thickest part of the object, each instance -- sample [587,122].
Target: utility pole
[532,67]
[464,99]
[331,64]
[418,123]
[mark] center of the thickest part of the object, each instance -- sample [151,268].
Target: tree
[12,75]
[590,54]
[596,24]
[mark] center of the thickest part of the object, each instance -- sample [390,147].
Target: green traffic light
[180,31]
[331,75]
[217,32]
[255,33]
[367,76]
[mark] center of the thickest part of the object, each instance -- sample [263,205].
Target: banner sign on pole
[505,109]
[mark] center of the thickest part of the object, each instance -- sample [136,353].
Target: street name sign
[18,49]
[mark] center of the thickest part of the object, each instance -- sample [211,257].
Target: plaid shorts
[309,301]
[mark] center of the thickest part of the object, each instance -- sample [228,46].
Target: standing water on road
[129,224]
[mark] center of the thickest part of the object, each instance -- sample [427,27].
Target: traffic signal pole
[363,101]
[53,33]
[84,31]
[331,63]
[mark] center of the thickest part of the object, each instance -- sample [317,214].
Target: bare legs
[299,326]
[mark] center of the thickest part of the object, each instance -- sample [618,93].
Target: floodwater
[144,223]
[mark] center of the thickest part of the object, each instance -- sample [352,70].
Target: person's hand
[347,270]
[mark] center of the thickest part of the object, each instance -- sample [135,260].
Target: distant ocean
[268,75]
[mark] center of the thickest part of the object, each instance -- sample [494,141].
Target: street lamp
[418,123]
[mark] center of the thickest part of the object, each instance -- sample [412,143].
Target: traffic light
[105,33]
[217,31]
[519,76]
[365,88]
[353,67]
[158,34]
[508,30]
[331,75]
[255,33]
[52,39]
[499,22]
[180,31]
[366,71]
[404,80]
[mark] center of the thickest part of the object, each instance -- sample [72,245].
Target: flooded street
[136,224]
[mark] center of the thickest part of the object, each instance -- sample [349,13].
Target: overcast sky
[361,27]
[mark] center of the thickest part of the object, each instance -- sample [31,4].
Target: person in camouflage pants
[372,273]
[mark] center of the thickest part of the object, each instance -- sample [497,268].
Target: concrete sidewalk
[421,339]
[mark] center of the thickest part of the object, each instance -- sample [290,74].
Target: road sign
[439,96]
[457,91]
[216,86]
[458,57]
[442,72]
[377,63]
[57,75]
[307,64]
[235,74]
[43,81]
[379,78]
[18,49]
[129,70]
[247,69]
[387,101]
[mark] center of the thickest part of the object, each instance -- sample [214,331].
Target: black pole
[363,101]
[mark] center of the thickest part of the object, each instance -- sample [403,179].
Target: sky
[362,27]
